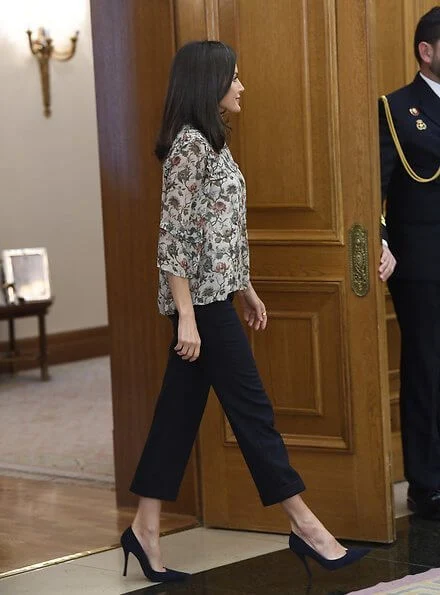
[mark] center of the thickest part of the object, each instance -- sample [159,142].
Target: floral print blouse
[203,235]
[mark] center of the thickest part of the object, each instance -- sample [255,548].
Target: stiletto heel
[131,545]
[126,554]
[303,550]
[303,559]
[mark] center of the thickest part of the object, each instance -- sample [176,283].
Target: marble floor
[237,563]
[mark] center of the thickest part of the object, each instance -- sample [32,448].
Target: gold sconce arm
[43,50]
[68,54]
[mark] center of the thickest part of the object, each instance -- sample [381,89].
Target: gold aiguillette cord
[399,149]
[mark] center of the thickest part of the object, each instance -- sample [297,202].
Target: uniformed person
[410,158]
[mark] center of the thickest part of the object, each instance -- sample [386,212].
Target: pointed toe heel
[131,545]
[304,551]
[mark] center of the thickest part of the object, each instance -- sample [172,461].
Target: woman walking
[203,260]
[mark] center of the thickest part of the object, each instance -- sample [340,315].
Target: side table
[10,313]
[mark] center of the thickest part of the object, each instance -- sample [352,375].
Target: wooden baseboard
[69,346]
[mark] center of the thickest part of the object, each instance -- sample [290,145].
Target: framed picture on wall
[26,275]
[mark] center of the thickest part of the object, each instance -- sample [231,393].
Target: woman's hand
[254,310]
[188,338]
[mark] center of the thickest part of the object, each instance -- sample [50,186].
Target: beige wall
[49,173]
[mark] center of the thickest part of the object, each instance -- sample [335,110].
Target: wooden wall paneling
[393,20]
[133,43]
[396,21]
[190,21]
[64,347]
[196,20]
[412,11]
[421,7]
[211,19]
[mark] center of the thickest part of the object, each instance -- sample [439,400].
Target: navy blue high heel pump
[302,550]
[131,545]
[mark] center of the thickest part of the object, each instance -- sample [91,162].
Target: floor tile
[68,579]
[400,507]
[418,542]
[111,560]
[196,550]
[209,548]
[237,563]
[281,573]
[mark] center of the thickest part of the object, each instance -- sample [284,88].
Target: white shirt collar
[433,84]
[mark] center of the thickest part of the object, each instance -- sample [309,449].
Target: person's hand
[387,263]
[188,338]
[254,310]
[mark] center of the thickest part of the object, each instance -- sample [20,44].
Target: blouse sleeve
[180,233]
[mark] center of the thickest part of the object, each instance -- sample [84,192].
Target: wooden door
[396,67]
[308,145]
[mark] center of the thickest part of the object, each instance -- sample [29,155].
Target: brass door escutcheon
[358,254]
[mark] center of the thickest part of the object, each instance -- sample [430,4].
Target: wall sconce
[43,50]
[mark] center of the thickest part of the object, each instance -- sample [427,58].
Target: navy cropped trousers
[227,364]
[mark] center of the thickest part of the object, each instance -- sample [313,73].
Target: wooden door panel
[302,361]
[292,101]
[230,498]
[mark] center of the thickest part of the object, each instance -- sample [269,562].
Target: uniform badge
[414,111]
[421,125]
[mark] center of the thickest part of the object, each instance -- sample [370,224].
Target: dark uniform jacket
[413,208]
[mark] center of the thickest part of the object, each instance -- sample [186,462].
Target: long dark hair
[201,75]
